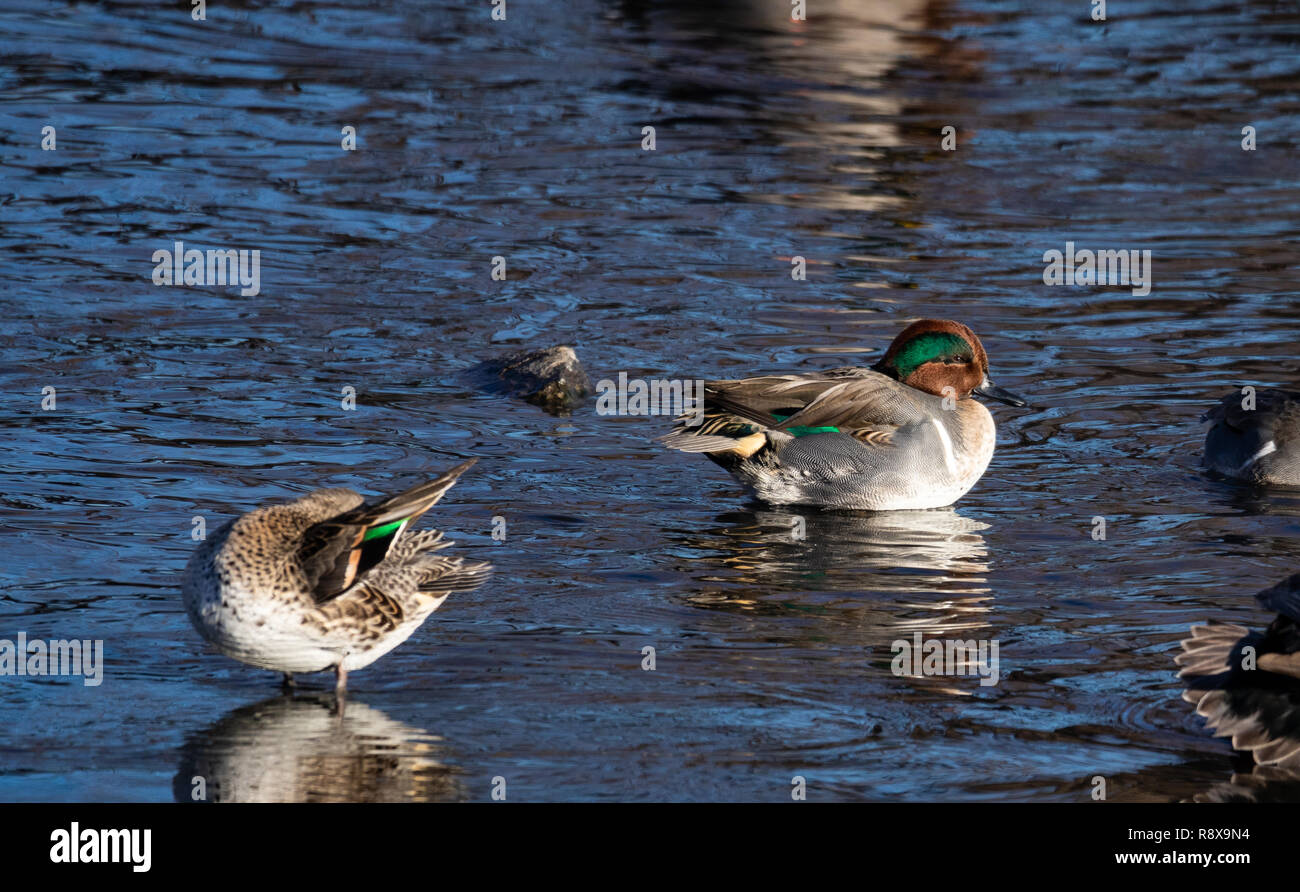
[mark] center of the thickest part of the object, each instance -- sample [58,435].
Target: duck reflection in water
[890,564]
[301,749]
[848,550]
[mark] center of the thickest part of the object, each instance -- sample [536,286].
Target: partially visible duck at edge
[1247,684]
[1254,436]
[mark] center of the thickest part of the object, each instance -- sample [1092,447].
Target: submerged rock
[550,377]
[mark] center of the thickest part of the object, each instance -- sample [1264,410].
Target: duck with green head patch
[904,434]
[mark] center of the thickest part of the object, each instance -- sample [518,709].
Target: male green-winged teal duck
[324,582]
[1251,695]
[904,434]
[1255,437]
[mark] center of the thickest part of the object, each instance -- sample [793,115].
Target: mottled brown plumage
[324,582]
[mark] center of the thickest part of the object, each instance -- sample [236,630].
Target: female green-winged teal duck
[324,582]
[1255,437]
[904,434]
[1252,696]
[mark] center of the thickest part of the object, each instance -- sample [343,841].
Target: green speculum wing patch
[801,430]
[376,532]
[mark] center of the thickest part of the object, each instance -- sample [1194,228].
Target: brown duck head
[932,354]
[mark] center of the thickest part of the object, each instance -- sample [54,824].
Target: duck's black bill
[994,392]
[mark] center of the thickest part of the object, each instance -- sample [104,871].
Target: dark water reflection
[522,139]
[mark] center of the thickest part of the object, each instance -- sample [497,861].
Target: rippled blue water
[523,139]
